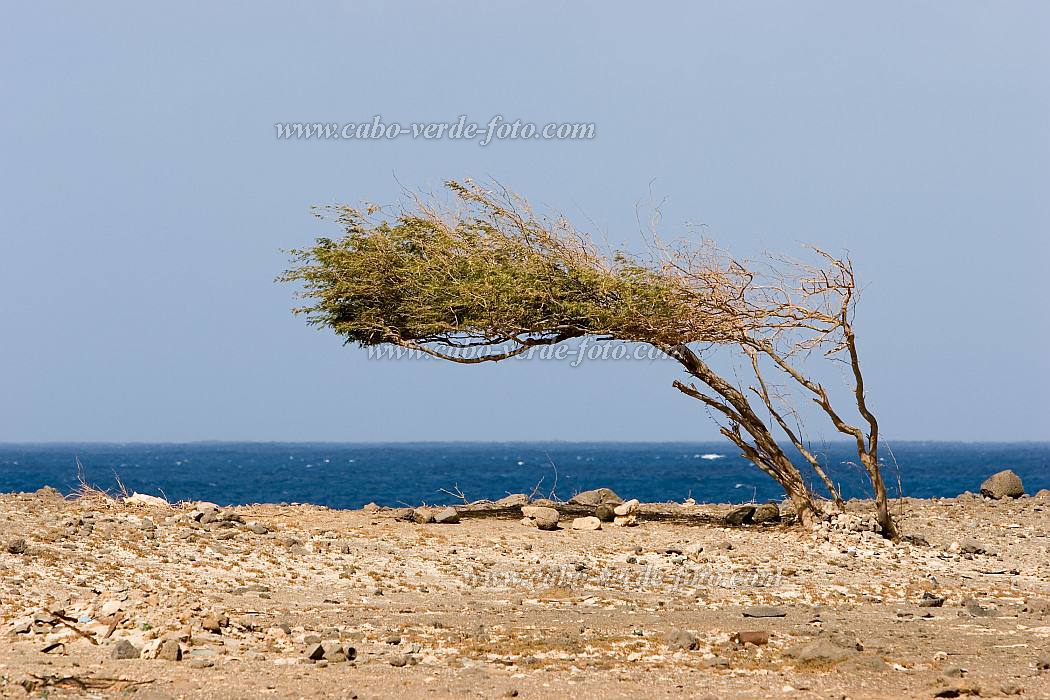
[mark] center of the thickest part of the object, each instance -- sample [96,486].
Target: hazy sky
[145,200]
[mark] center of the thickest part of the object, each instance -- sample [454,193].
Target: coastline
[679,604]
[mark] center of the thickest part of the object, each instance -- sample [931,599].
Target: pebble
[123,649]
[17,546]
[169,650]
[588,523]
[446,516]
[681,639]
[540,516]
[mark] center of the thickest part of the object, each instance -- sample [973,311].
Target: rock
[1004,484]
[740,516]
[334,653]
[422,516]
[540,516]
[399,661]
[766,513]
[605,512]
[627,507]
[1042,494]
[1043,663]
[1011,688]
[142,499]
[315,652]
[201,663]
[821,651]
[169,650]
[626,520]
[588,523]
[596,497]
[681,639]
[866,662]
[123,649]
[258,528]
[214,622]
[512,501]
[931,600]
[757,638]
[764,611]
[446,516]
[977,610]
[16,546]
[371,507]
[403,514]
[972,547]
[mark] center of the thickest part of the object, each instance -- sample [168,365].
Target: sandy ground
[489,607]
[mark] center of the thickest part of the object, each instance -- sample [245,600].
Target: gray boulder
[596,497]
[766,513]
[741,515]
[123,649]
[1004,484]
[446,516]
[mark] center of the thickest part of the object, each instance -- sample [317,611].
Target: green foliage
[488,275]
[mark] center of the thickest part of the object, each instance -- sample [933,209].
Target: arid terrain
[102,597]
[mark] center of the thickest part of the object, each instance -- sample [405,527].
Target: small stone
[315,651]
[756,637]
[123,649]
[764,611]
[1043,663]
[404,514]
[446,516]
[740,516]
[514,500]
[258,528]
[681,639]
[821,651]
[605,512]
[626,520]
[540,516]
[214,622]
[333,651]
[201,663]
[17,546]
[1011,688]
[931,600]
[972,547]
[766,513]
[422,515]
[169,650]
[1004,484]
[399,661]
[588,523]
[627,507]
[596,497]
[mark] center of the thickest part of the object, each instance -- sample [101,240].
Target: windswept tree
[486,279]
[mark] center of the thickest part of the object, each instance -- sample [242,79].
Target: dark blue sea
[350,475]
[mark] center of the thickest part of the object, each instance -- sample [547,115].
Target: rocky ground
[99,597]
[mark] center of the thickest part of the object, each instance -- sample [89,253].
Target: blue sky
[146,201]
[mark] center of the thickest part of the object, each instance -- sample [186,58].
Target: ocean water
[350,475]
